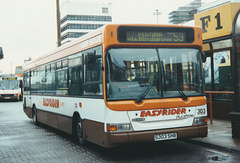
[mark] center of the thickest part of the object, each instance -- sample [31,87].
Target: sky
[28,27]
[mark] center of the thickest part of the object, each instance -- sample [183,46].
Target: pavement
[219,137]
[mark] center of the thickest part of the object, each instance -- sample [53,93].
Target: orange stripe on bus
[156,104]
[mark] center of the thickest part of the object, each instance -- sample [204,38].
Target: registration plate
[7,98]
[167,136]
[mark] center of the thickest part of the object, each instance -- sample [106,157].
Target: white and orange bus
[121,84]
[11,88]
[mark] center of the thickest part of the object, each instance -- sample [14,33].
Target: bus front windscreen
[151,73]
[8,84]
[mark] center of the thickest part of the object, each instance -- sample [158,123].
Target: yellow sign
[9,78]
[218,21]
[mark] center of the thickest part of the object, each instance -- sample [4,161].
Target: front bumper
[9,97]
[116,139]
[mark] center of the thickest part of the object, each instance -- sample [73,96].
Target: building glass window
[218,74]
[81,26]
[104,10]
[208,74]
[222,70]
[88,17]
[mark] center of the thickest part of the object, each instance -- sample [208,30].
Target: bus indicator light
[118,127]
[111,128]
[200,121]
[205,119]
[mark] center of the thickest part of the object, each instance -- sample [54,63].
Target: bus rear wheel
[34,115]
[79,132]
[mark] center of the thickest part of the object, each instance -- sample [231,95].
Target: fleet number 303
[201,111]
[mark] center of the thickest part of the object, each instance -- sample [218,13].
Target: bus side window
[93,73]
[75,76]
[26,81]
[50,78]
[61,78]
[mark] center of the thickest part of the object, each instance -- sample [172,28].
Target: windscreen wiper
[143,95]
[15,87]
[184,97]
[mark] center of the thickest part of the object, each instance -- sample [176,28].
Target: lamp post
[157,12]
[58,23]
[1,53]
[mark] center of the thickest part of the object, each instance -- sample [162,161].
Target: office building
[184,13]
[79,18]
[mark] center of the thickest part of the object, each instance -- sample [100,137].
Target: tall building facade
[79,18]
[184,13]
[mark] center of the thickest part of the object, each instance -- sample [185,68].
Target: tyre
[34,115]
[78,131]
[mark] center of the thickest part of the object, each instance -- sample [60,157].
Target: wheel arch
[74,118]
[34,106]
[34,114]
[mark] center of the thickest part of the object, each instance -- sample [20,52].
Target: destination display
[138,34]
[156,37]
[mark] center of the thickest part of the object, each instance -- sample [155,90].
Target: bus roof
[99,36]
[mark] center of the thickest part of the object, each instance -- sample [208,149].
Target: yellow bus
[121,84]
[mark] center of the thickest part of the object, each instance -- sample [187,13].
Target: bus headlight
[118,127]
[200,121]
